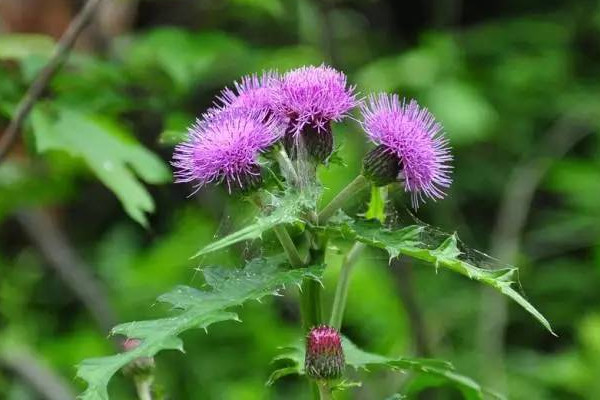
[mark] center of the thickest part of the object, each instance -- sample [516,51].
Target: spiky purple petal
[225,146]
[314,96]
[253,92]
[412,133]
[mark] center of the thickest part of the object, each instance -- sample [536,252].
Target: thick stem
[291,251]
[358,184]
[143,387]
[324,391]
[287,167]
[311,289]
[341,291]
[310,303]
[310,296]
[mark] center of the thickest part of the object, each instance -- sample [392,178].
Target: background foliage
[92,231]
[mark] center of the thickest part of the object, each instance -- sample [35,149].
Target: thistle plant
[263,141]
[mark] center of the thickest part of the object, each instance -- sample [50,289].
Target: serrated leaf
[362,360]
[441,250]
[283,210]
[198,309]
[114,157]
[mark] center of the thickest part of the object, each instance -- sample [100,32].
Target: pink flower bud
[324,355]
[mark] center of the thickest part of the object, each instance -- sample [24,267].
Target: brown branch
[60,255]
[36,89]
[510,222]
[42,379]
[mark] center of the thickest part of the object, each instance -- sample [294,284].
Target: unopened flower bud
[324,358]
[139,366]
[381,166]
[316,143]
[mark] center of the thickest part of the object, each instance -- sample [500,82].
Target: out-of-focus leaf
[175,131]
[310,26]
[286,58]
[199,309]
[418,68]
[441,250]
[20,45]
[186,57]
[579,182]
[361,360]
[283,210]
[113,156]
[273,7]
[22,185]
[465,114]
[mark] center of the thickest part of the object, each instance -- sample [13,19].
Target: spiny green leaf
[199,309]
[441,250]
[113,156]
[283,210]
[362,360]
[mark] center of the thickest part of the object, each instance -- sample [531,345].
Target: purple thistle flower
[313,96]
[409,136]
[252,92]
[225,147]
[324,358]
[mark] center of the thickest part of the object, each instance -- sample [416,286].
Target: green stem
[143,387]
[310,297]
[324,391]
[311,289]
[287,167]
[358,184]
[291,251]
[341,290]
[310,303]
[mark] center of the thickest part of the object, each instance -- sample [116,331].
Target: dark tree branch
[510,222]
[54,245]
[33,372]
[36,89]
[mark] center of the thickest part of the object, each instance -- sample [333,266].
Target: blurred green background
[92,230]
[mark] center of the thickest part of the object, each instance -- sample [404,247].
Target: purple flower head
[324,358]
[412,136]
[225,147]
[313,96]
[253,92]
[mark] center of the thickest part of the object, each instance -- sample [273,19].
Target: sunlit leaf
[198,310]
[114,157]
